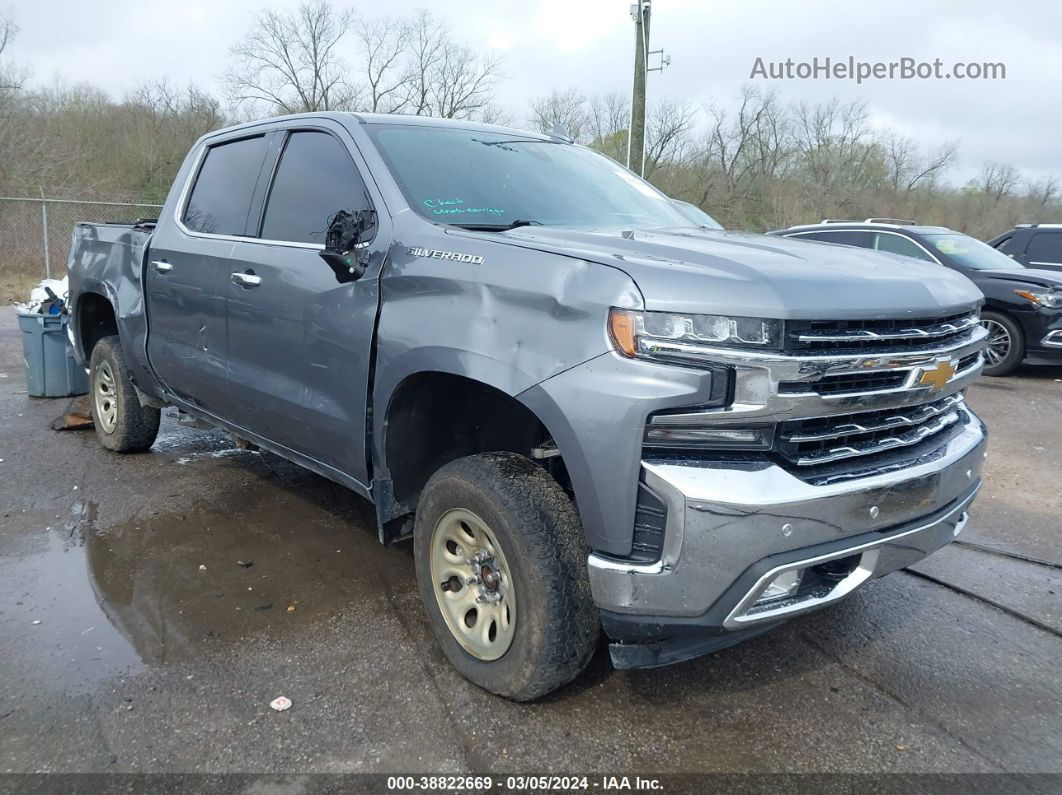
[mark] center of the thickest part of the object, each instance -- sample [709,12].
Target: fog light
[782,586]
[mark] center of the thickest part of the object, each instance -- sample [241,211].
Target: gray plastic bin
[50,367]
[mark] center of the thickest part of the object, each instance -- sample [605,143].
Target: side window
[221,195]
[1045,247]
[896,244]
[846,237]
[315,178]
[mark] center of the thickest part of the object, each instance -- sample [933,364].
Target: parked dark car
[1023,305]
[1033,245]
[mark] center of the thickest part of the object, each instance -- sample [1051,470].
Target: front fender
[596,413]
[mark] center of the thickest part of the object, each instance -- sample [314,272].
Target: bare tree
[998,181]
[290,61]
[609,115]
[10,79]
[564,109]
[384,42]
[427,41]
[668,133]
[1043,192]
[907,167]
[462,83]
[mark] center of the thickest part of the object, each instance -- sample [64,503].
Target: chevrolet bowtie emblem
[939,376]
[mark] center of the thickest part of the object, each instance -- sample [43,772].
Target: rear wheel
[501,566]
[122,423]
[1006,344]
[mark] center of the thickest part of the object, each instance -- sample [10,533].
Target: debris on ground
[280,703]
[202,567]
[77,417]
[245,563]
[291,608]
[36,621]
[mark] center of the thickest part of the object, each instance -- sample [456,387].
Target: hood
[745,274]
[1032,276]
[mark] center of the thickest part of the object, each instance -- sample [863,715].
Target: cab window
[221,195]
[896,244]
[315,179]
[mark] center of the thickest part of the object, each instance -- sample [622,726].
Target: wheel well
[436,418]
[96,320]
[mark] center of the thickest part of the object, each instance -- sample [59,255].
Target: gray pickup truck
[586,411]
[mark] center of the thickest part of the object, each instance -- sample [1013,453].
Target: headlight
[1049,300]
[682,338]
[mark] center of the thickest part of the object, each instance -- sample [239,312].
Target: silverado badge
[472,259]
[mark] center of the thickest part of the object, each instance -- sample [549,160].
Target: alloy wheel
[999,342]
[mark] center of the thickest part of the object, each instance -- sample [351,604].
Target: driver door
[299,341]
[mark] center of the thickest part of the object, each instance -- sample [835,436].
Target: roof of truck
[387,118]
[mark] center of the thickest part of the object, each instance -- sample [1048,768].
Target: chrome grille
[829,439]
[859,336]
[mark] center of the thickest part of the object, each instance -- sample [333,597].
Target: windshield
[972,253]
[486,179]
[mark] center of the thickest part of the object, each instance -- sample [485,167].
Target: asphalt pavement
[151,606]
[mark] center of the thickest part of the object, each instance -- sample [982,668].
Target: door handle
[162,266]
[246,279]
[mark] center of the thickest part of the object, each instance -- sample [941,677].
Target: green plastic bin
[50,367]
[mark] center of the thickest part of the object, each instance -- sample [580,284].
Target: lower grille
[808,443]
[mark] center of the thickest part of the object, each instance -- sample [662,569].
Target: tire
[122,423]
[538,571]
[1003,356]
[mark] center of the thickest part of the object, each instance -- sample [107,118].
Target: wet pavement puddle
[113,599]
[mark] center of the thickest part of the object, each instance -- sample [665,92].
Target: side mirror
[346,242]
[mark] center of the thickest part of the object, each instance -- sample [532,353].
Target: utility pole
[636,139]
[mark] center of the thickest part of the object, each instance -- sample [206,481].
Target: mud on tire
[535,524]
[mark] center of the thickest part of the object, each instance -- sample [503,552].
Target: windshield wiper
[498,227]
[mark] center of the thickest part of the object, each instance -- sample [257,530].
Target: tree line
[752,161]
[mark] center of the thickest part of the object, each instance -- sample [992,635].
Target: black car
[1033,245]
[1023,305]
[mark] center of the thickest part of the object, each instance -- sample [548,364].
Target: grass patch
[16,287]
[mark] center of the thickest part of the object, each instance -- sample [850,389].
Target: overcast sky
[588,44]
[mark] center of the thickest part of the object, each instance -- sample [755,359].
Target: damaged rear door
[299,341]
[185,283]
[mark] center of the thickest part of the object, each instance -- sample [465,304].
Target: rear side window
[1045,247]
[849,237]
[223,188]
[315,178]
[896,244]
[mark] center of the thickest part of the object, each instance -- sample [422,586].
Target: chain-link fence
[35,233]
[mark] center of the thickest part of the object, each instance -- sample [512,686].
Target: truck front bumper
[736,530]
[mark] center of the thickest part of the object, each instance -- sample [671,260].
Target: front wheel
[501,566]
[122,423]
[1006,345]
